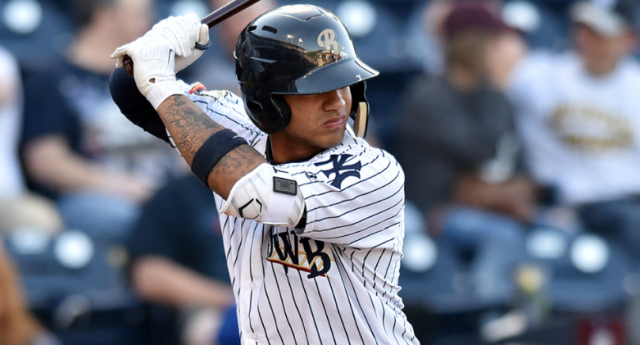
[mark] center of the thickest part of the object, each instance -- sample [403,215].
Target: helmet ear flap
[357,95]
[359,108]
[283,108]
[254,107]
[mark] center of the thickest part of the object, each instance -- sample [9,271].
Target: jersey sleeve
[227,109]
[353,197]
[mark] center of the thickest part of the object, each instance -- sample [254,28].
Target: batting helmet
[295,50]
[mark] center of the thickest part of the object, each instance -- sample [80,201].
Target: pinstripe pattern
[335,281]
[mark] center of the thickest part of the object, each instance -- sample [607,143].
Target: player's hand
[154,70]
[129,186]
[182,33]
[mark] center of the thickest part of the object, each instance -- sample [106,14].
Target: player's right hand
[182,33]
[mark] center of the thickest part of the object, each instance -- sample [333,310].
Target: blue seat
[573,291]
[85,305]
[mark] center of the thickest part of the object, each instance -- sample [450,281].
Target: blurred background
[517,123]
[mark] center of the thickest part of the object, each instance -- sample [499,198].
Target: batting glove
[182,33]
[154,68]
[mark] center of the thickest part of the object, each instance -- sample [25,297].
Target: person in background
[431,33]
[18,207]
[460,152]
[178,261]
[579,116]
[17,325]
[216,68]
[77,148]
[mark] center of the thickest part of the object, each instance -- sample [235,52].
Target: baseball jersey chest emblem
[304,254]
[339,169]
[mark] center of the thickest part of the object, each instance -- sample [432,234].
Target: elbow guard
[134,105]
[266,195]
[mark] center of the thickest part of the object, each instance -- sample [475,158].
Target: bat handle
[127,62]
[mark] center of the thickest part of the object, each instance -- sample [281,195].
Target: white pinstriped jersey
[336,280]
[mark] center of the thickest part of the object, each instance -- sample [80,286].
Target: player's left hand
[182,33]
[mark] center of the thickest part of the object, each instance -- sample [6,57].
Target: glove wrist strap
[161,91]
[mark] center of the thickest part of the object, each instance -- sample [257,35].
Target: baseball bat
[211,20]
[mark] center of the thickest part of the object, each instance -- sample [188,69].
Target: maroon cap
[472,16]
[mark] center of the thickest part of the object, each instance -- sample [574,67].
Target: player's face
[317,121]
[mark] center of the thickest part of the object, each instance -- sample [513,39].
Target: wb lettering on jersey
[340,169]
[304,254]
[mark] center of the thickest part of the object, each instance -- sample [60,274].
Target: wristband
[162,90]
[212,151]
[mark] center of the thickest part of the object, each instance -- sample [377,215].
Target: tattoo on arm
[190,127]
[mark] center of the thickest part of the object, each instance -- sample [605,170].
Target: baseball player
[312,216]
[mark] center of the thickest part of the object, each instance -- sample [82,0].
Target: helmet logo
[327,39]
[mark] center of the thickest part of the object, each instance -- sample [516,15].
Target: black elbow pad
[134,105]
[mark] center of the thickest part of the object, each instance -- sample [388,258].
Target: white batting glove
[153,68]
[182,33]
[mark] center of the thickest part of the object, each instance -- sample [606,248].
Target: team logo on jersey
[304,254]
[340,169]
[591,130]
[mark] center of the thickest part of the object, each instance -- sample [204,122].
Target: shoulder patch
[286,186]
[213,94]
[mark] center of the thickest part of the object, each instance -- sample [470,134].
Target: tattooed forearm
[190,127]
[232,167]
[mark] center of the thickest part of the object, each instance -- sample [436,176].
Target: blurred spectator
[460,152]
[17,325]
[431,34]
[178,258]
[18,208]
[78,149]
[579,115]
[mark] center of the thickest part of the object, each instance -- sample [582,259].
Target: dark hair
[84,10]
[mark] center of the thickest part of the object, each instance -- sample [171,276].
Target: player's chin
[331,139]
[337,136]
